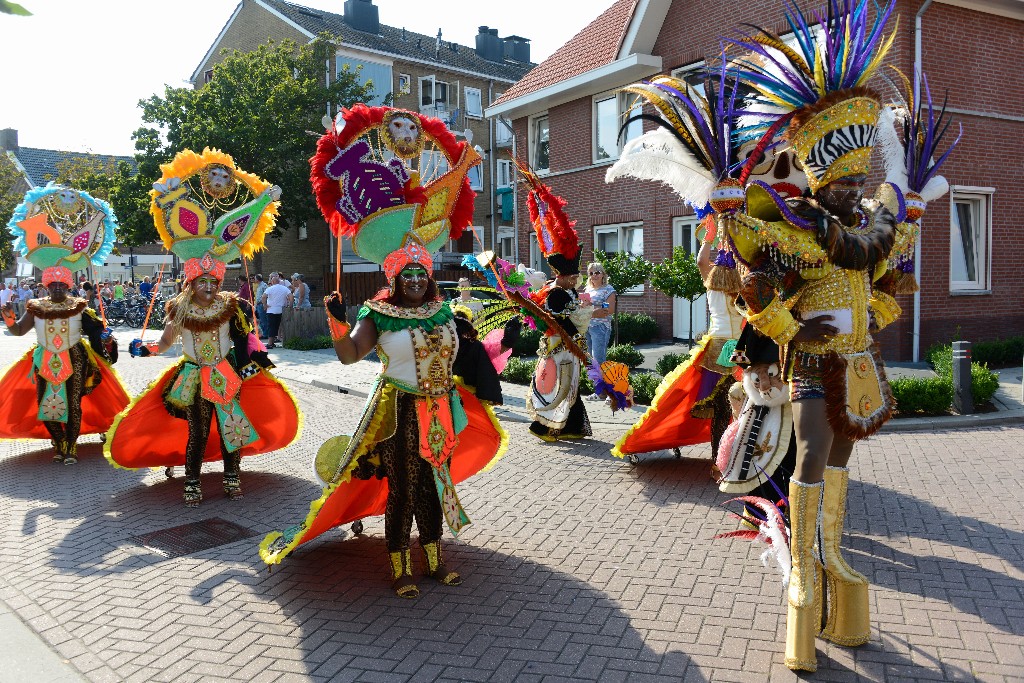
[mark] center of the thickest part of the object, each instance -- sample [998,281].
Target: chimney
[362,15]
[9,139]
[489,45]
[517,49]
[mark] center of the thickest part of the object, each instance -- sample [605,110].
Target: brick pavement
[578,567]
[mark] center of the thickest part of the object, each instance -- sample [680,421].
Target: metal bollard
[963,399]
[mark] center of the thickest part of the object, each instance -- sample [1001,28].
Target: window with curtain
[539,156]
[378,75]
[970,235]
[628,237]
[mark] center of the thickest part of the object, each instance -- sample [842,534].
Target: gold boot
[435,566]
[848,622]
[803,620]
[401,570]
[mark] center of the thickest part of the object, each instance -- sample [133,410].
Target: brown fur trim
[805,114]
[839,418]
[207,324]
[850,250]
[722,279]
[905,283]
[47,310]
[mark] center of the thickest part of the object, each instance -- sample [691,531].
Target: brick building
[422,73]
[566,114]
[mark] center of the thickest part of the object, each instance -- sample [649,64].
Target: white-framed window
[404,84]
[207,75]
[540,158]
[970,239]
[433,164]
[628,237]
[474,103]
[693,74]
[377,74]
[503,173]
[507,243]
[610,111]
[502,132]
[537,260]
[433,93]
[476,177]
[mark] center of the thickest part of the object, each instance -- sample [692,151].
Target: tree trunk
[615,318]
[691,321]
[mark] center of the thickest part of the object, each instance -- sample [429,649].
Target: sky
[71,75]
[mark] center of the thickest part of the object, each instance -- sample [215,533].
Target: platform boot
[848,620]
[803,619]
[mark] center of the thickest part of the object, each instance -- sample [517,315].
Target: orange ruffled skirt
[19,408]
[668,423]
[146,435]
[481,443]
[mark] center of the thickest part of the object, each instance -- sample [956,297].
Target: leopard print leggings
[411,489]
[200,416]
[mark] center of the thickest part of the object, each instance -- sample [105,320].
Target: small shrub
[1001,353]
[644,385]
[519,371]
[527,343]
[922,395]
[984,383]
[321,341]
[669,362]
[941,358]
[636,328]
[586,386]
[625,353]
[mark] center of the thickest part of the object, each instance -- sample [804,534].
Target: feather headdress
[61,230]
[691,151]
[556,234]
[817,91]
[208,212]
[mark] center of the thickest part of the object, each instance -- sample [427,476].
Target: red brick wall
[966,52]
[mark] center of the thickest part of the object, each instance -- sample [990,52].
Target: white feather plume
[934,188]
[658,155]
[778,548]
[894,158]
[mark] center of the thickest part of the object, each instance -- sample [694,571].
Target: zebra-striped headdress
[815,90]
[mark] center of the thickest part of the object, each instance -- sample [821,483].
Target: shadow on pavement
[511,619]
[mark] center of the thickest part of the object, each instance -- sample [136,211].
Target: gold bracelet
[776,322]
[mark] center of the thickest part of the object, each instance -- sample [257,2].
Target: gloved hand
[335,304]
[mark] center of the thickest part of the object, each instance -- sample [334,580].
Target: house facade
[567,111]
[41,166]
[428,74]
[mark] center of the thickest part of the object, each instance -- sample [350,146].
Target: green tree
[624,271]
[262,107]
[679,277]
[12,190]
[13,8]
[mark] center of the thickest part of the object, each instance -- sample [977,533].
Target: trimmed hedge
[625,353]
[669,362]
[636,328]
[527,343]
[984,382]
[644,385]
[518,371]
[321,341]
[922,395]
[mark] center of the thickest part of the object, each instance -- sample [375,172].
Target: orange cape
[146,435]
[19,408]
[481,443]
[668,423]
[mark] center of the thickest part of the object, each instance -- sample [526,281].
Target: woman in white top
[602,296]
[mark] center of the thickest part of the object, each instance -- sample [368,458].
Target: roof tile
[41,164]
[593,47]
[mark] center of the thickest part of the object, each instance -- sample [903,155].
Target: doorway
[684,234]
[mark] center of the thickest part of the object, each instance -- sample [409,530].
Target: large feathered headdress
[556,234]
[61,230]
[395,182]
[209,213]
[817,92]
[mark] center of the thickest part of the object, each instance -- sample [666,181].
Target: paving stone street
[578,566]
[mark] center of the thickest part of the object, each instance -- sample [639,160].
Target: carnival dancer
[64,387]
[421,432]
[208,213]
[819,286]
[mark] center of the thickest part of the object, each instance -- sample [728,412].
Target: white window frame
[687,72]
[404,84]
[506,246]
[435,84]
[622,107]
[980,199]
[503,173]
[620,229]
[476,177]
[537,260]
[532,141]
[468,94]
[430,160]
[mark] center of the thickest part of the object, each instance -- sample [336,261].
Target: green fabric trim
[386,323]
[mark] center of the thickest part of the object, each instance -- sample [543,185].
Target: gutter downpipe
[916,354]
[492,186]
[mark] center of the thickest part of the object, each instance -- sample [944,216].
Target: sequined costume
[64,387]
